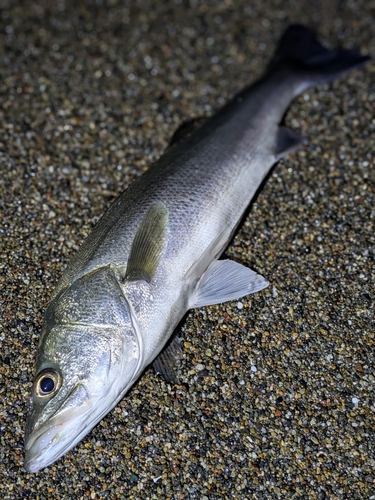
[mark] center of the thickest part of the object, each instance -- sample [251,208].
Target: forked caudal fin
[300,50]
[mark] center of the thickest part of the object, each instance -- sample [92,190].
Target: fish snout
[47,440]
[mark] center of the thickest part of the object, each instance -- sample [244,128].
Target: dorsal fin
[187,128]
[148,244]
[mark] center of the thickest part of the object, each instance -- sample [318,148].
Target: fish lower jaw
[37,451]
[54,438]
[48,443]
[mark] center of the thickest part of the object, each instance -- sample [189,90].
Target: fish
[155,254]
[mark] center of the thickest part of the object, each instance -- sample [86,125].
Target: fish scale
[206,181]
[155,253]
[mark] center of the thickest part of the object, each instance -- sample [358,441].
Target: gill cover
[88,354]
[91,347]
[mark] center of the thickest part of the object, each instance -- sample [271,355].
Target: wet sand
[277,393]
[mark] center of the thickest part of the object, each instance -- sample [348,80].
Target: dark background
[278,398]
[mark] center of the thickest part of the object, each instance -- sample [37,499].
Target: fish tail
[303,54]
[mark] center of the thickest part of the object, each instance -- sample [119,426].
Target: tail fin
[299,49]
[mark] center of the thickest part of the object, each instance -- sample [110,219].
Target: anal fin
[287,142]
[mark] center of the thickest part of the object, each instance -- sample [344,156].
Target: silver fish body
[154,254]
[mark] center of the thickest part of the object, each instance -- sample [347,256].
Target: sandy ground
[277,393]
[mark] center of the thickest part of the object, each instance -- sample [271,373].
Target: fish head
[82,372]
[89,355]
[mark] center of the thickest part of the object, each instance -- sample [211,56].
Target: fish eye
[47,383]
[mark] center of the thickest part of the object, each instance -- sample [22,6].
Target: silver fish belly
[155,253]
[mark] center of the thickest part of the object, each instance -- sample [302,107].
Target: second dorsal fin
[148,244]
[186,129]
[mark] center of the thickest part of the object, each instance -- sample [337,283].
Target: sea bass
[155,253]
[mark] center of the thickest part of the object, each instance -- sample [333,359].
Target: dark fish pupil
[47,384]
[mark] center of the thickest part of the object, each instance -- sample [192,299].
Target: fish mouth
[67,427]
[46,443]
[54,438]
[58,435]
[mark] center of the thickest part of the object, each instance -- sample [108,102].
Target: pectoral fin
[148,244]
[287,142]
[226,280]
